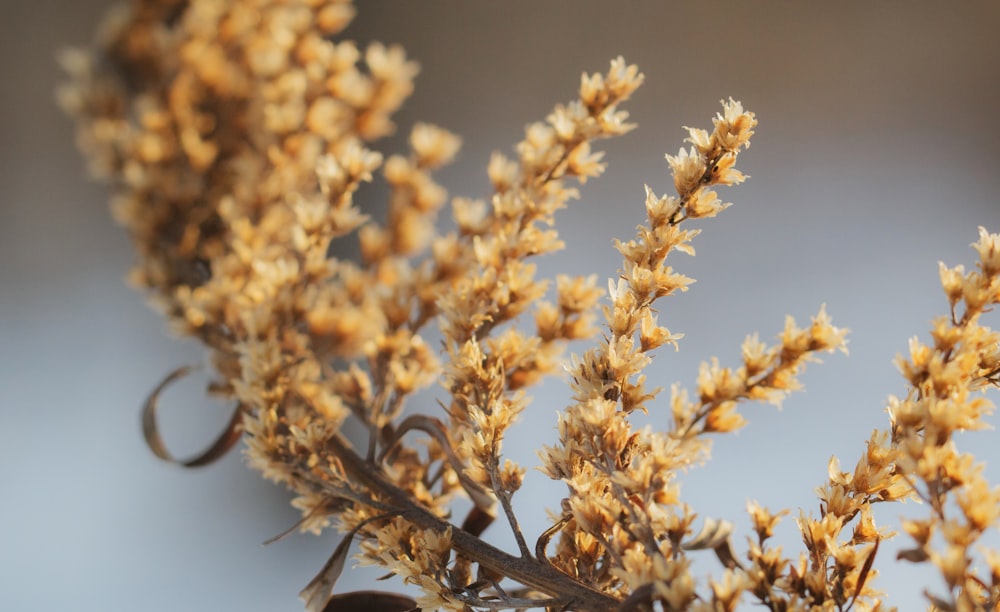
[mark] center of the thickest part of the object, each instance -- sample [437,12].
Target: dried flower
[235,134]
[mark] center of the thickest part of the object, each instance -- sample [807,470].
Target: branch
[530,572]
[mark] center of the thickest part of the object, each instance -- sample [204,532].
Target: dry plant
[234,134]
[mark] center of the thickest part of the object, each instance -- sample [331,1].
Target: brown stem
[527,571]
[503,495]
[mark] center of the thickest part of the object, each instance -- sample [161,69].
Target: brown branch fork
[525,570]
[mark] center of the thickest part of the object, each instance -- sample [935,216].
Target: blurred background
[875,158]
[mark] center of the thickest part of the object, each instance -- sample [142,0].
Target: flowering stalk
[623,524]
[485,375]
[943,399]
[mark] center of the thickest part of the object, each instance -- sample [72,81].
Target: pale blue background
[876,157]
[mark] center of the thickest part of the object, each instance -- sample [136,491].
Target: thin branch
[504,496]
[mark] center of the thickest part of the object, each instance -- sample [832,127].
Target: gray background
[875,158]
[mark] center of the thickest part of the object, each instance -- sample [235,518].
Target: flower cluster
[916,457]
[236,137]
[624,528]
[943,399]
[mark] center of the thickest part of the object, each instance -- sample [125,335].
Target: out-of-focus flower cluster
[235,135]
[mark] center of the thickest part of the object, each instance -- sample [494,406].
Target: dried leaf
[222,444]
[371,601]
[543,540]
[477,521]
[913,555]
[640,600]
[863,574]
[940,603]
[724,552]
[319,592]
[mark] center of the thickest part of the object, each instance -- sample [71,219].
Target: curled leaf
[370,601]
[543,540]
[150,431]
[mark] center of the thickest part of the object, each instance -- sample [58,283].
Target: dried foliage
[235,134]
